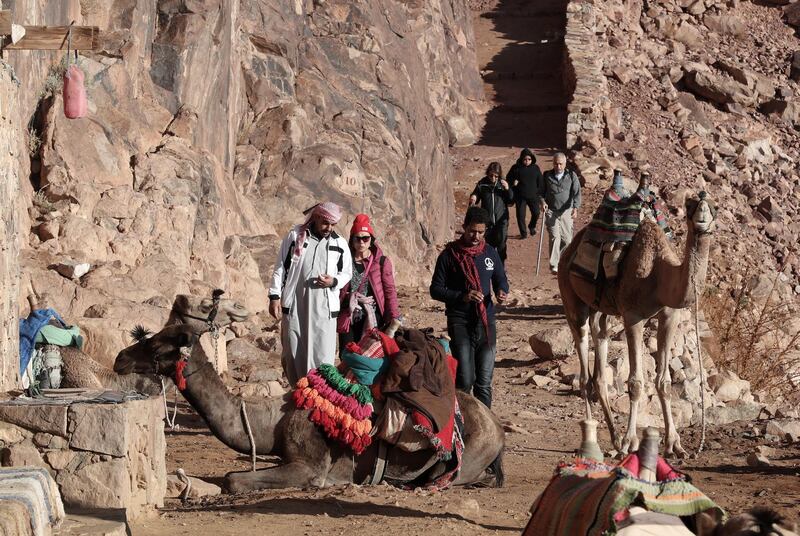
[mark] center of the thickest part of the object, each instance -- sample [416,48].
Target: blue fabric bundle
[28,330]
[364,368]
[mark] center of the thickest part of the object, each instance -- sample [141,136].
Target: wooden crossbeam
[5,22]
[55,38]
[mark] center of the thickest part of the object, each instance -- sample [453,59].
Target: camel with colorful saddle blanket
[310,457]
[642,495]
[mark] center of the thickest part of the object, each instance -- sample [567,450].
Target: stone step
[529,109]
[524,14]
[99,523]
[530,76]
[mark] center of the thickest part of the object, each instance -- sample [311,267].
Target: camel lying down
[280,429]
[82,371]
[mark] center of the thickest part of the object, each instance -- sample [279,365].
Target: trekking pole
[539,254]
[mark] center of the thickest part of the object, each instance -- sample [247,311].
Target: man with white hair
[561,199]
[313,265]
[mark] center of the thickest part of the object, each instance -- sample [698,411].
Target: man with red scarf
[466,274]
[313,265]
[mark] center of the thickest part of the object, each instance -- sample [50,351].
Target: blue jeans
[475,355]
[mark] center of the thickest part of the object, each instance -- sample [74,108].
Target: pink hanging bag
[74,93]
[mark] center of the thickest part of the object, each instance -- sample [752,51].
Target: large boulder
[727,386]
[725,24]
[786,111]
[794,68]
[719,89]
[792,14]
[552,343]
[731,412]
[784,428]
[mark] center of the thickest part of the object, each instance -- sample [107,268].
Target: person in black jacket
[493,195]
[525,178]
[466,274]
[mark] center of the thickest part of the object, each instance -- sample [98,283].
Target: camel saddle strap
[369,467]
[380,464]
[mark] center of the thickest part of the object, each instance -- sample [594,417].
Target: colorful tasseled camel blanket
[340,404]
[343,409]
[617,219]
[591,498]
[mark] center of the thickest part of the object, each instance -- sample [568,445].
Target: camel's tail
[497,468]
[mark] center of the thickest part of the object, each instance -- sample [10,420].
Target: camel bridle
[216,294]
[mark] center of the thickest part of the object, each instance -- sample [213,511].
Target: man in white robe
[313,265]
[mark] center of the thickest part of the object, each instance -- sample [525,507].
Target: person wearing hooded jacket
[525,179]
[369,300]
[493,194]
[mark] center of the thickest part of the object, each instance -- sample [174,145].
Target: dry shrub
[758,337]
[34,142]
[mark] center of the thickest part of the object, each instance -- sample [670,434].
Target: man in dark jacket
[466,274]
[525,178]
[493,195]
[561,199]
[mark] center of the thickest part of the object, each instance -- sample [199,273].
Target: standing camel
[653,281]
[280,428]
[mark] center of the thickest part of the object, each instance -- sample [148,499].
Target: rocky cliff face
[10,133]
[214,123]
[703,94]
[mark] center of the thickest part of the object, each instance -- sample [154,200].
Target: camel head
[196,311]
[701,213]
[758,520]
[155,354]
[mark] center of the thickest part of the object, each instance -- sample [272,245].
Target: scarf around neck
[465,257]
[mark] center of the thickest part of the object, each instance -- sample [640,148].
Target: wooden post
[48,37]
[5,22]
[55,38]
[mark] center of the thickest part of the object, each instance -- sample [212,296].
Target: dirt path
[519,51]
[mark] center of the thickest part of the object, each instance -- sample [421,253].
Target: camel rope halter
[701,370]
[213,326]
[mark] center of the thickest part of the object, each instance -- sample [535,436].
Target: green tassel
[335,379]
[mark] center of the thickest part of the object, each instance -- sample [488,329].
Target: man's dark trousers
[533,204]
[475,355]
[497,236]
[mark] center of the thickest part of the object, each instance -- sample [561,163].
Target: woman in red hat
[369,300]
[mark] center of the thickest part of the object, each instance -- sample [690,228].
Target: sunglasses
[362,238]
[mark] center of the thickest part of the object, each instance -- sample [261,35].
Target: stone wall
[583,77]
[108,456]
[10,136]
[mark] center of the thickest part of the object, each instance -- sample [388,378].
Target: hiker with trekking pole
[561,199]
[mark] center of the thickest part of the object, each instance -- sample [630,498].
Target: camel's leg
[599,326]
[290,475]
[667,323]
[579,325]
[633,333]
